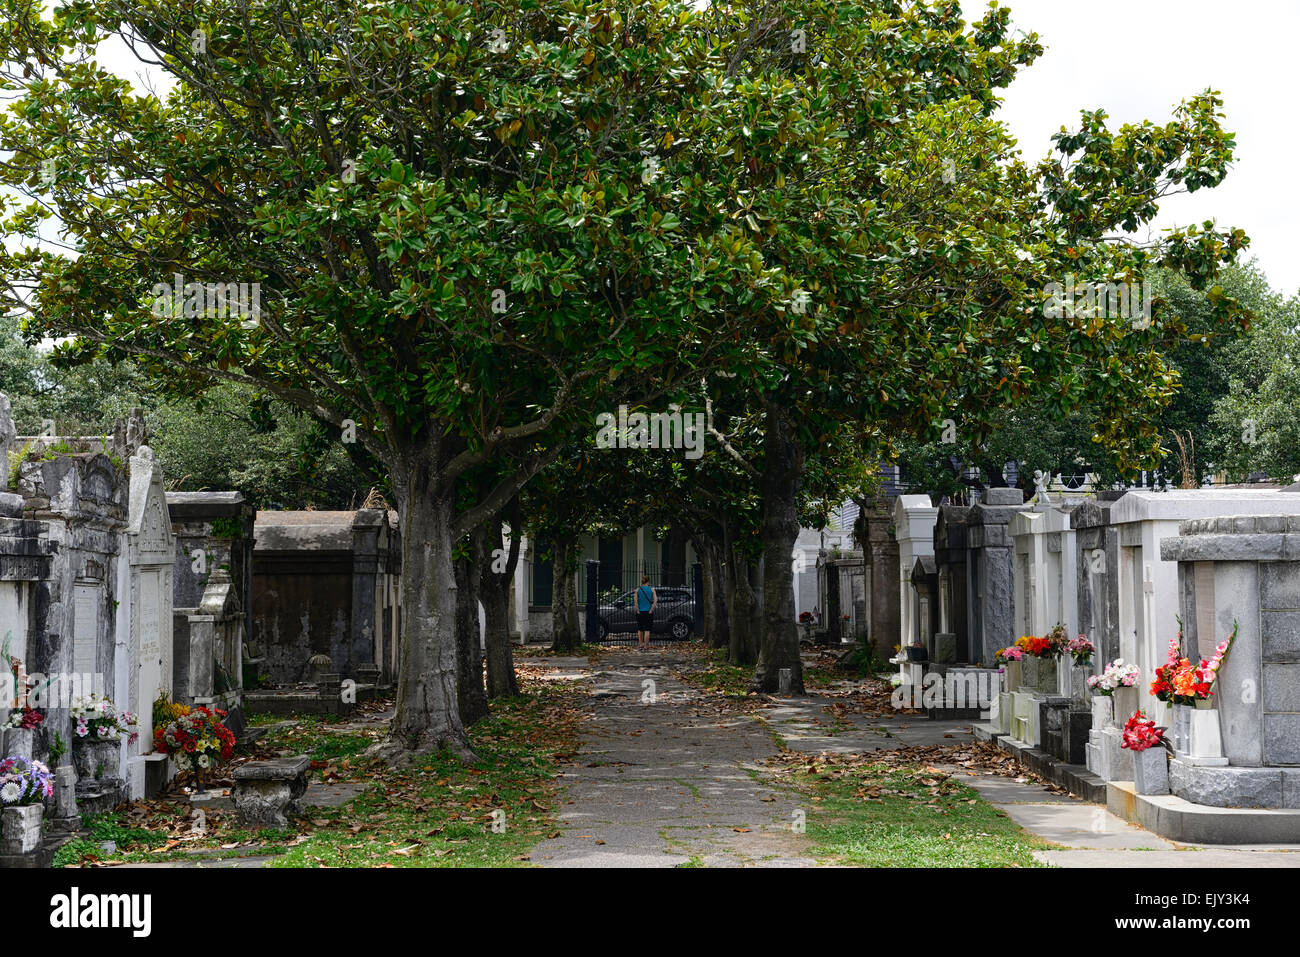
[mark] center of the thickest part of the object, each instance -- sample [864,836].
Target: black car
[674,615]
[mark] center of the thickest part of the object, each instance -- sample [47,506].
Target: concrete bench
[267,792]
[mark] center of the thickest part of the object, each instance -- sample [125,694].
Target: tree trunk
[715,605]
[427,715]
[782,466]
[717,599]
[469,648]
[744,610]
[567,635]
[494,592]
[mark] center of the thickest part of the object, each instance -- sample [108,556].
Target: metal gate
[608,593]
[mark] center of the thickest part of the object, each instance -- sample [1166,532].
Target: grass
[582,651]
[435,813]
[876,816]
[440,813]
[717,675]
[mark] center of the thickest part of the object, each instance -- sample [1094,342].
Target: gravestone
[914,519]
[925,604]
[991,592]
[950,558]
[146,662]
[880,554]
[1096,544]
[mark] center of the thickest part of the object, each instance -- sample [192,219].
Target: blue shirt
[643,598]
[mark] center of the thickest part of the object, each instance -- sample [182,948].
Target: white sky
[1137,59]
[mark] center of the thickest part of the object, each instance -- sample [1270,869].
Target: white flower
[10,793]
[204,761]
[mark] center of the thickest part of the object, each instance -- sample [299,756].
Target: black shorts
[644,620]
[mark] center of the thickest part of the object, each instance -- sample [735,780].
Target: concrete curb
[1178,820]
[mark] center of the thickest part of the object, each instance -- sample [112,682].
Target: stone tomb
[1046,595]
[914,519]
[327,583]
[1244,568]
[880,575]
[990,594]
[950,552]
[145,659]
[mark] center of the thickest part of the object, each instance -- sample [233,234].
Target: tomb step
[1178,820]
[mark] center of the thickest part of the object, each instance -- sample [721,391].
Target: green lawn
[435,813]
[875,816]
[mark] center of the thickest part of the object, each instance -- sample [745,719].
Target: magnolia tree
[440,228]
[917,273]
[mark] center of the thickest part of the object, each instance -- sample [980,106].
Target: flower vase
[1103,711]
[96,760]
[19,743]
[20,829]
[1049,679]
[1078,689]
[1182,728]
[1014,676]
[1151,771]
[1204,739]
[1029,666]
[1126,702]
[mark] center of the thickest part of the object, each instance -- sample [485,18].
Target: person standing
[646,600]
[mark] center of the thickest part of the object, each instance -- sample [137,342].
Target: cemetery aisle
[665,777]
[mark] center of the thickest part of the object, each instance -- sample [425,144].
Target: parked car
[674,615]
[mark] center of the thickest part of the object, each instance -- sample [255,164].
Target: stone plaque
[85,619]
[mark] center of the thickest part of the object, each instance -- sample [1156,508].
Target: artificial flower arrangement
[805,617]
[24,782]
[1080,649]
[26,718]
[1117,674]
[196,740]
[1013,653]
[1141,733]
[98,720]
[1181,682]
[1035,647]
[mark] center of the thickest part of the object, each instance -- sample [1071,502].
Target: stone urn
[1014,676]
[1103,711]
[97,760]
[18,743]
[1078,690]
[1151,771]
[20,829]
[1029,673]
[1126,703]
[1039,675]
[1204,739]
[1181,731]
[1064,664]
